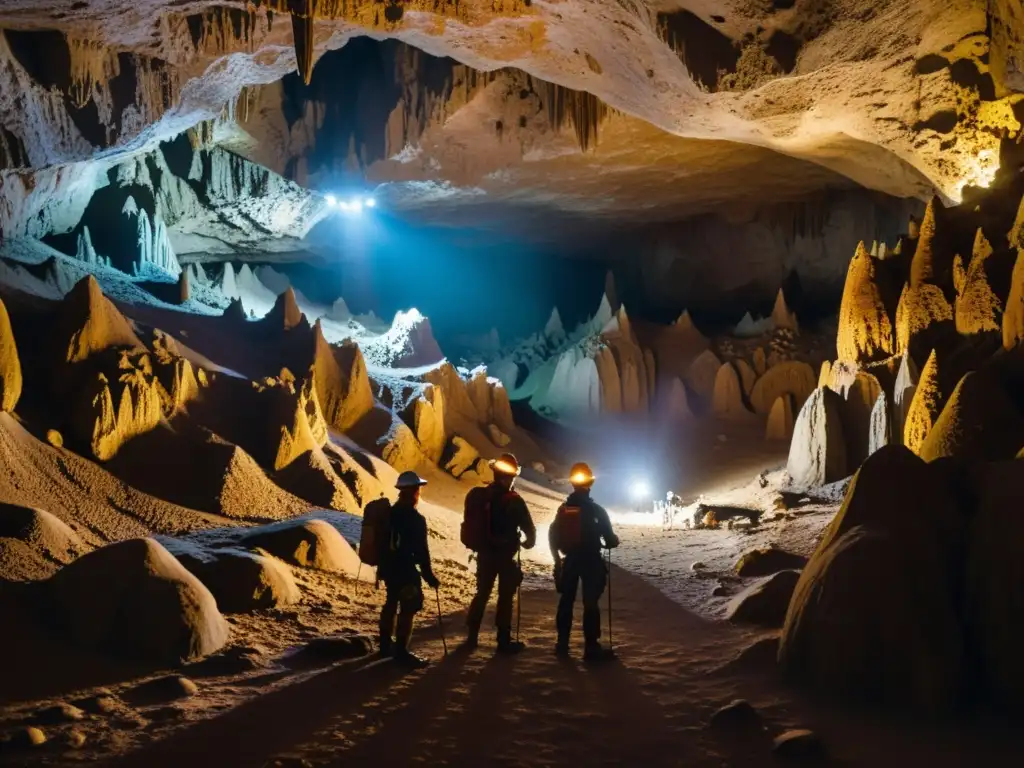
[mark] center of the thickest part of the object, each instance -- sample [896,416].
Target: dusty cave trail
[470,709]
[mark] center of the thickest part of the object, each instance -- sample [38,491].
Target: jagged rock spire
[865,329]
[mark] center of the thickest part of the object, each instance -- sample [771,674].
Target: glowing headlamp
[505,468]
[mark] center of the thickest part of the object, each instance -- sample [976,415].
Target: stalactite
[584,109]
[222,30]
[201,134]
[92,64]
[303,18]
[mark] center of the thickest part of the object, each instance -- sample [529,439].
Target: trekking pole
[519,592]
[611,644]
[440,624]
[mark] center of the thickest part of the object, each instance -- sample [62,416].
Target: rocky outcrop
[134,599]
[308,543]
[10,364]
[903,395]
[727,398]
[859,395]
[425,417]
[760,362]
[782,317]
[880,429]
[285,314]
[978,309]
[746,374]
[87,322]
[793,378]
[865,329]
[240,581]
[765,602]
[341,381]
[817,452]
[114,410]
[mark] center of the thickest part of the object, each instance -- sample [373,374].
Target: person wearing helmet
[580,530]
[509,527]
[405,564]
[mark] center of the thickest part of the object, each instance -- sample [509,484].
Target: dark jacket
[595,525]
[509,517]
[408,546]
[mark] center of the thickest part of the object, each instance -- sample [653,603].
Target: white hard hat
[409,479]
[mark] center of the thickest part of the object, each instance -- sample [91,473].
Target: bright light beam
[370,202]
[331,200]
[640,490]
[355,205]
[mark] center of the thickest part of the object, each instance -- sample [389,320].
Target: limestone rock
[746,373]
[651,371]
[87,322]
[54,438]
[1013,314]
[610,381]
[456,391]
[925,405]
[959,273]
[184,287]
[767,560]
[979,421]
[764,602]
[798,744]
[285,314]
[874,616]
[903,395]
[930,266]
[923,318]
[241,581]
[113,411]
[865,329]
[781,315]
[879,434]
[780,419]
[425,417]
[860,395]
[309,543]
[677,402]
[793,377]
[461,460]
[45,534]
[295,424]
[10,365]
[700,376]
[501,407]
[817,452]
[978,308]
[825,373]
[736,715]
[727,398]
[134,599]
[498,437]
[760,362]
[341,381]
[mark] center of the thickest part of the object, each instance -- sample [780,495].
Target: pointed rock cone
[874,248]
[10,365]
[825,373]
[1013,314]
[610,291]
[789,377]
[235,312]
[925,406]
[817,452]
[929,266]
[865,330]
[923,318]
[898,250]
[880,429]
[781,316]
[88,322]
[184,288]
[913,229]
[727,398]
[701,374]
[286,313]
[685,323]
[760,361]
[780,419]
[978,308]
[903,395]
[1016,235]
[341,381]
[302,33]
[678,405]
[747,375]
[979,422]
[959,273]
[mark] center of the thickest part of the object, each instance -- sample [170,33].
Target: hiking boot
[511,647]
[562,650]
[407,658]
[386,646]
[472,640]
[595,652]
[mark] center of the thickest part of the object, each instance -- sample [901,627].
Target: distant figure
[403,563]
[496,525]
[580,529]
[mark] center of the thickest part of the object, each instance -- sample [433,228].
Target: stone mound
[979,421]
[780,419]
[700,376]
[10,365]
[764,603]
[88,322]
[341,381]
[792,378]
[874,614]
[308,543]
[817,452]
[460,457]
[766,561]
[134,599]
[925,406]
[727,397]
[311,477]
[746,374]
[240,581]
[45,533]
[865,329]
[781,315]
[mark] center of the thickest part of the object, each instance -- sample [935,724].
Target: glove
[611,541]
[529,541]
[432,580]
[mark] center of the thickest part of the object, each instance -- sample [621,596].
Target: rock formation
[1013,315]
[746,374]
[978,308]
[700,377]
[903,395]
[880,429]
[923,318]
[10,364]
[286,314]
[88,322]
[760,363]
[113,411]
[425,417]
[307,543]
[677,405]
[341,381]
[925,405]
[780,419]
[241,581]
[727,398]
[764,602]
[817,452]
[865,329]
[782,317]
[860,396]
[793,377]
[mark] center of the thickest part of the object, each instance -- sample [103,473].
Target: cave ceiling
[522,114]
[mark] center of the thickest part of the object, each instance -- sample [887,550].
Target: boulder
[727,397]
[793,378]
[737,715]
[874,616]
[979,421]
[460,457]
[308,543]
[817,452]
[46,534]
[764,602]
[498,437]
[241,581]
[780,419]
[133,598]
[10,364]
[925,405]
[766,561]
[798,744]
[865,329]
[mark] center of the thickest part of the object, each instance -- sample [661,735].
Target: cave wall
[720,266]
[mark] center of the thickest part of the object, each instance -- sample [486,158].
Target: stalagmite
[922,318]
[286,313]
[859,397]
[10,364]
[760,362]
[865,330]
[702,372]
[678,406]
[86,252]
[817,452]
[780,419]
[341,381]
[88,322]
[1016,234]
[747,375]
[781,315]
[959,273]
[184,288]
[924,407]
[928,266]
[825,373]
[879,433]
[791,377]
[903,395]
[978,308]
[610,381]
[727,398]
[1013,315]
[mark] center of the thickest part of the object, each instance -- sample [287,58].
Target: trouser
[404,598]
[490,567]
[588,568]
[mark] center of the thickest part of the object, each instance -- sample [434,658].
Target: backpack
[375,536]
[476,532]
[567,528]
